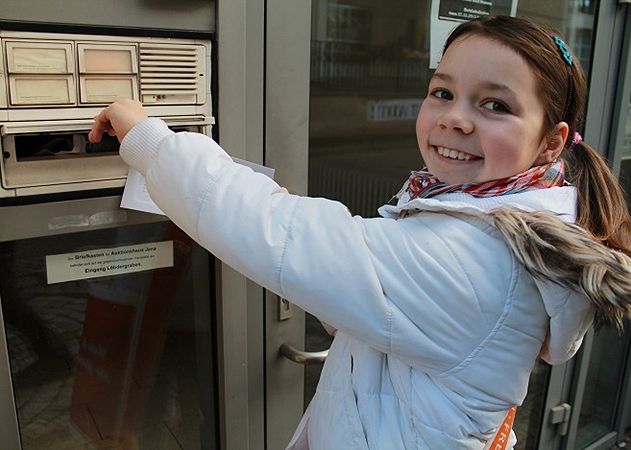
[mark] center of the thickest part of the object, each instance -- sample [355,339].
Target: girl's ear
[553,143]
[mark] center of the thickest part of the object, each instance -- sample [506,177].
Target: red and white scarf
[422,184]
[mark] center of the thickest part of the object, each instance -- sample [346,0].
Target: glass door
[107,331]
[370,67]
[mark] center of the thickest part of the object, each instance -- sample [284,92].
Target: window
[347,23]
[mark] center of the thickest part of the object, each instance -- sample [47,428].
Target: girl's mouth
[454,154]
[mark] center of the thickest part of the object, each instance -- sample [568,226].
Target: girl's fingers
[117,119]
[101,125]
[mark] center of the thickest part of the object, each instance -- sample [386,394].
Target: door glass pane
[369,67]
[602,387]
[116,361]
[369,74]
[625,169]
[529,417]
[610,351]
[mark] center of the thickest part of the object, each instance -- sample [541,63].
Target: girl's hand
[117,119]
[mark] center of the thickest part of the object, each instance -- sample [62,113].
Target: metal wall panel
[184,15]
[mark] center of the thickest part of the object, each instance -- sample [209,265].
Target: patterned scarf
[423,184]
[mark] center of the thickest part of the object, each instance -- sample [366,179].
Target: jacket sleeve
[309,250]
[571,315]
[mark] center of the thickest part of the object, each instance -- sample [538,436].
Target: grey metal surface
[241,343]
[579,378]
[621,118]
[62,217]
[287,65]
[186,15]
[602,83]
[9,431]
[622,98]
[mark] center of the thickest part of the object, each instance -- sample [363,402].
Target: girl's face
[482,119]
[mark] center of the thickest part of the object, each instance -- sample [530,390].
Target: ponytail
[602,206]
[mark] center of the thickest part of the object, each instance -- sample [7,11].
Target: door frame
[623,92]
[287,80]
[263,110]
[240,310]
[611,66]
[622,113]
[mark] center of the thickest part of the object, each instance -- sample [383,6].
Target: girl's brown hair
[602,207]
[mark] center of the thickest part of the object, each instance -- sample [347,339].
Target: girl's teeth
[453,154]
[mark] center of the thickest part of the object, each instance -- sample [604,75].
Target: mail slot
[44,157]
[55,83]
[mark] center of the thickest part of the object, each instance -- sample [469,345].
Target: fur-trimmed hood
[566,261]
[579,278]
[567,255]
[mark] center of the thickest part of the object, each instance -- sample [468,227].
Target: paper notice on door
[105,262]
[136,196]
[447,15]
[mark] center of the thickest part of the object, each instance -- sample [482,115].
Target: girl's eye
[496,106]
[442,94]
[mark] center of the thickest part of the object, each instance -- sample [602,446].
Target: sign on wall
[447,14]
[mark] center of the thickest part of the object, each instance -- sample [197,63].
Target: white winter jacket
[438,324]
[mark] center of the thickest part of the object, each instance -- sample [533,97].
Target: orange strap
[503,432]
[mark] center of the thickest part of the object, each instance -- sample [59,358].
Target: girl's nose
[456,118]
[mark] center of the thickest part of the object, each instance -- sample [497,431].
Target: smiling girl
[444,303]
[477,125]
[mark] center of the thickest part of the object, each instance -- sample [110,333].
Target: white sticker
[105,262]
[447,14]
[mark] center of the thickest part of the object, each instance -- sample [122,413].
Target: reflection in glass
[625,167]
[602,386]
[369,68]
[527,424]
[626,142]
[120,361]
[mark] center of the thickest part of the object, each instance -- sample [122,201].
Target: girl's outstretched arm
[345,270]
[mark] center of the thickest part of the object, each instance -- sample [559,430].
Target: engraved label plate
[106,262]
[33,58]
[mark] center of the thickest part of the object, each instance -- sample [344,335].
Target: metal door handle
[301,357]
